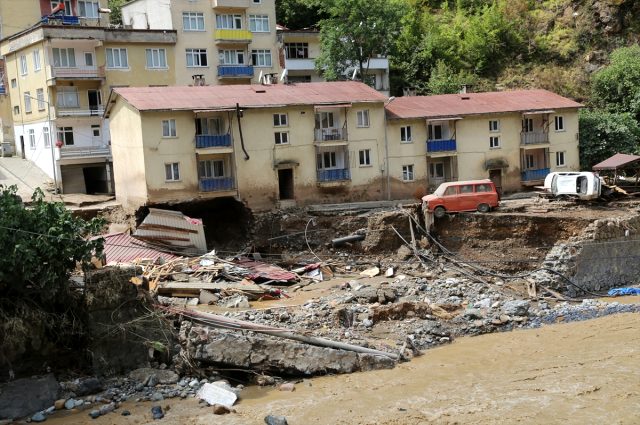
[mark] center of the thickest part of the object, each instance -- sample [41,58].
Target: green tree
[356,31]
[616,87]
[444,79]
[298,14]
[116,14]
[603,134]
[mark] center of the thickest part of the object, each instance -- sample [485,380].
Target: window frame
[231,57]
[65,93]
[172,128]
[494,142]
[65,131]
[229,21]
[197,53]
[265,54]
[561,155]
[24,67]
[364,158]
[279,136]
[209,172]
[46,137]
[408,173]
[278,119]
[110,53]
[362,119]
[527,125]
[40,98]
[37,64]
[262,19]
[559,119]
[158,51]
[95,7]
[174,167]
[530,162]
[330,157]
[69,56]
[27,102]
[191,18]
[31,134]
[494,128]
[300,50]
[405,134]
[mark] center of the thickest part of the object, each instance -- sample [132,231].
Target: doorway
[496,177]
[94,101]
[285,183]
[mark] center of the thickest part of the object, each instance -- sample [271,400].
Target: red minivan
[470,195]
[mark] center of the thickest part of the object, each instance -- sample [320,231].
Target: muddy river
[576,373]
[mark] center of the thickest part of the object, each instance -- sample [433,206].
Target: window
[280,120]
[494,142]
[435,132]
[27,102]
[88,59]
[23,65]
[527,125]
[259,23]
[466,188]
[436,170]
[560,159]
[65,135]
[451,190]
[261,57]
[172,171]
[296,50]
[67,97]
[192,21]
[36,60]
[529,161]
[363,118]
[483,188]
[14,83]
[211,126]
[16,110]
[64,58]
[156,58]
[559,119]
[117,58]
[325,120]
[32,138]
[88,9]
[45,137]
[327,160]
[211,168]
[169,128]
[40,97]
[231,57]
[95,130]
[67,6]
[407,173]
[494,126]
[229,22]
[281,137]
[196,57]
[405,133]
[364,157]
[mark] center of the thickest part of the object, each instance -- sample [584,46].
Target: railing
[328,134]
[216,184]
[533,138]
[441,145]
[244,4]
[307,64]
[80,112]
[334,175]
[235,71]
[233,35]
[530,175]
[84,151]
[79,72]
[209,141]
[63,19]
[3,90]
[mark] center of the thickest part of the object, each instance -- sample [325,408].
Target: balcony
[84,151]
[531,175]
[441,145]
[334,175]
[97,112]
[204,141]
[216,184]
[61,20]
[534,138]
[79,73]
[233,36]
[231,4]
[235,71]
[300,64]
[330,134]
[3,90]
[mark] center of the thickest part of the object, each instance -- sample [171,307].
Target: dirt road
[576,373]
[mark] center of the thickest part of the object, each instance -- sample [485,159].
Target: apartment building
[58,77]
[267,145]
[300,48]
[515,138]
[220,41]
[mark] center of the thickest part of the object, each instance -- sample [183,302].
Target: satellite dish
[285,73]
[260,78]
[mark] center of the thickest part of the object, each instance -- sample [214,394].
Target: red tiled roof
[618,160]
[226,96]
[453,105]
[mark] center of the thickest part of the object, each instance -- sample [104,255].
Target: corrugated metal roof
[450,105]
[265,271]
[174,230]
[618,160]
[226,96]
[122,248]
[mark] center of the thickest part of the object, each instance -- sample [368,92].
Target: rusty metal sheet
[122,248]
[619,160]
[264,271]
[174,231]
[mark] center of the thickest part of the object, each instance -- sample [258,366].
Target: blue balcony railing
[441,145]
[334,175]
[530,175]
[3,90]
[209,141]
[216,184]
[235,71]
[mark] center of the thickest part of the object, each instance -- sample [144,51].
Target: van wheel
[439,212]
[484,208]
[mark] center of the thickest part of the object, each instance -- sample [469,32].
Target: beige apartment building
[58,77]
[514,138]
[267,145]
[220,41]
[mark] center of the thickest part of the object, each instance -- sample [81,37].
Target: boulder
[22,397]
[516,308]
[145,374]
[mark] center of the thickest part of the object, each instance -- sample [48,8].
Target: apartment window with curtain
[407,173]
[27,102]
[192,21]
[46,137]
[88,9]
[172,171]
[211,168]
[64,58]
[229,22]
[40,97]
[37,66]
[405,134]
[117,58]
[169,128]
[196,58]
[259,23]
[261,58]
[156,58]
[23,65]
[363,118]
[231,57]
[67,97]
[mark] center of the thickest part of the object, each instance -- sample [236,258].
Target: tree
[616,88]
[298,14]
[116,15]
[445,80]
[356,31]
[603,134]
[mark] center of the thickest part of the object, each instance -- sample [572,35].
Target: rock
[125,413]
[157,413]
[59,404]
[220,409]
[237,301]
[165,377]
[194,383]
[516,307]
[85,386]
[38,417]
[263,380]
[153,381]
[367,323]
[157,396]
[484,303]
[94,414]
[403,253]
[275,420]
[287,386]
[70,404]
[505,318]
[473,314]
[22,397]
[107,408]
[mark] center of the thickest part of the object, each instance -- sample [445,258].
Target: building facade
[58,79]
[219,41]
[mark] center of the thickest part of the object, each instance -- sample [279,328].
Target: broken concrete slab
[22,397]
[215,394]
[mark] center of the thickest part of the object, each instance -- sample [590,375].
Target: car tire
[484,208]
[439,212]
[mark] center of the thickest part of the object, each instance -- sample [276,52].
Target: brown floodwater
[575,373]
